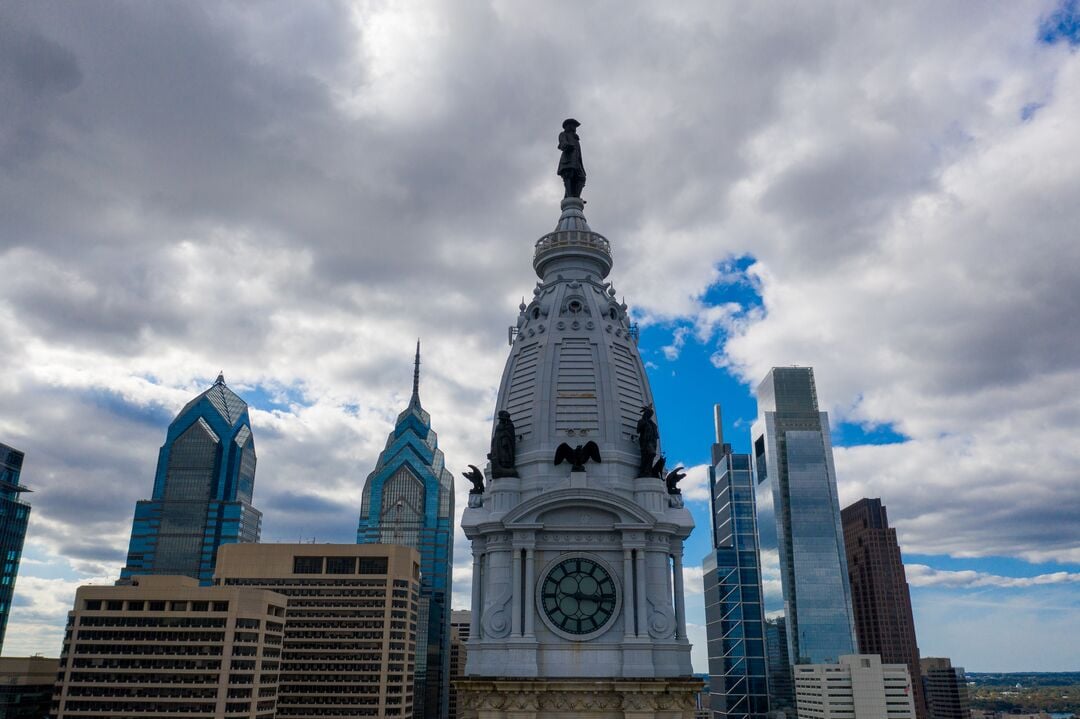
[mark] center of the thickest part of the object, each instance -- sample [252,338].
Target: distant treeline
[1024,679]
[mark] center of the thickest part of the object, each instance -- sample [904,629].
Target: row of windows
[339,565]
[171,648]
[136,678]
[156,605]
[156,622]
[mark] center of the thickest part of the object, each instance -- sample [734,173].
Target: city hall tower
[577,530]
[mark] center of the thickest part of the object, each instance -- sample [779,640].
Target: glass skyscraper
[793,452]
[202,490]
[734,614]
[781,683]
[14,516]
[408,499]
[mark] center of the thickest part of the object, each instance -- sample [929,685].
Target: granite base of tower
[572,698]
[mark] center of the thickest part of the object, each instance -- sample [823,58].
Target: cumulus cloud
[188,188]
[693,580]
[920,575]
[695,486]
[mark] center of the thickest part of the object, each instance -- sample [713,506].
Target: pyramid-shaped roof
[227,403]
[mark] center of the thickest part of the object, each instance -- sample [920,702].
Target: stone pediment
[562,503]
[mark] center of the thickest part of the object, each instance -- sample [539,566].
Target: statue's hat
[570,123]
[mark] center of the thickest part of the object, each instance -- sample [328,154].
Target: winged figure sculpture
[577,456]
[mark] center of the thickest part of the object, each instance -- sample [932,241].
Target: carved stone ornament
[554,699]
[661,621]
[496,618]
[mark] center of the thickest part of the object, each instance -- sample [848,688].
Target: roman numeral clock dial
[578,596]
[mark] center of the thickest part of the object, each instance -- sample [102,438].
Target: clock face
[578,596]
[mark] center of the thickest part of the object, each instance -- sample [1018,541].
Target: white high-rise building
[858,687]
[577,541]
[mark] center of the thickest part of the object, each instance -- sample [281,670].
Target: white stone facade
[858,687]
[574,375]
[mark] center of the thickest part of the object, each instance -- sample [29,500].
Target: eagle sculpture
[577,456]
[672,479]
[475,476]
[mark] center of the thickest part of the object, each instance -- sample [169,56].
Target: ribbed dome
[574,373]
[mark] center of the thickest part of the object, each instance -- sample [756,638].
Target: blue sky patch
[850,434]
[1028,111]
[270,398]
[1062,25]
[1003,566]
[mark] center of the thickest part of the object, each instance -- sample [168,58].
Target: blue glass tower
[409,500]
[734,614]
[202,490]
[14,516]
[793,452]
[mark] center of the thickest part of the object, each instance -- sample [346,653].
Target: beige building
[945,687]
[166,647]
[26,686]
[351,623]
[460,624]
[858,687]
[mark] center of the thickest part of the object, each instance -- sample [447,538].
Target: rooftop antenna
[415,401]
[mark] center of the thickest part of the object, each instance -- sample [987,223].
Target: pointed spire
[415,401]
[220,378]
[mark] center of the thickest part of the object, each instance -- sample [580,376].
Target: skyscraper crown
[227,403]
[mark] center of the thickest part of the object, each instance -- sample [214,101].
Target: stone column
[530,585]
[515,592]
[642,607]
[680,603]
[628,592]
[474,619]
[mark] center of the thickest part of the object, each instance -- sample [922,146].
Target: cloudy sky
[294,192]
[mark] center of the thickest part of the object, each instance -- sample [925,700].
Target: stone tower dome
[577,565]
[574,374]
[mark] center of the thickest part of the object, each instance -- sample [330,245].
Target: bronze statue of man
[571,168]
[648,440]
[503,448]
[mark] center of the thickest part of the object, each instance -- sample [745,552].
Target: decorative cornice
[579,697]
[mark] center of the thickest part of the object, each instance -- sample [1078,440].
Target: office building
[350,623]
[14,517]
[793,452]
[945,687]
[460,619]
[26,686]
[734,613]
[781,686]
[408,500]
[859,686]
[879,590]
[202,490]
[166,647]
